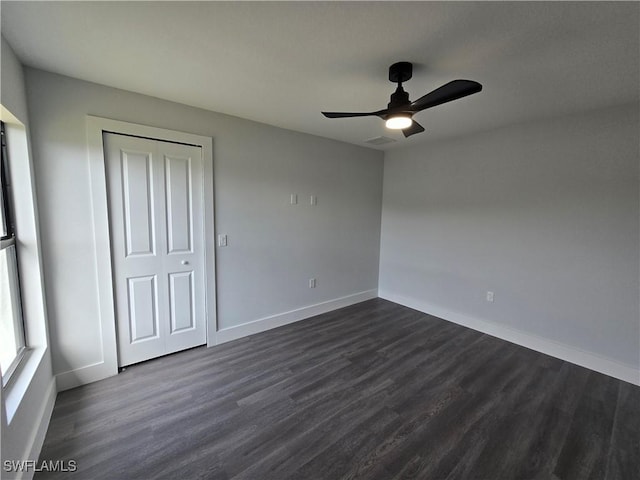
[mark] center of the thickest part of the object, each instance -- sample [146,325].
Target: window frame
[7,241]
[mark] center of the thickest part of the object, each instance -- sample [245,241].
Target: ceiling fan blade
[446,93]
[353,114]
[413,129]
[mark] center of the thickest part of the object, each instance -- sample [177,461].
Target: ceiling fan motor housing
[399,99]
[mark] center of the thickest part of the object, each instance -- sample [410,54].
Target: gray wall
[30,396]
[274,248]
[544,214]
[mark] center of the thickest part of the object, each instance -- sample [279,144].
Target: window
[12,338]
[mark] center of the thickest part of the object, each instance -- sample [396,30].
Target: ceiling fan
[399,112]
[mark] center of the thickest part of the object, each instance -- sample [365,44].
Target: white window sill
[18,385]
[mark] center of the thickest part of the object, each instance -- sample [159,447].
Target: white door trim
[101,235]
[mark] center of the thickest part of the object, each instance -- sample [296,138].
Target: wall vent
[379,140]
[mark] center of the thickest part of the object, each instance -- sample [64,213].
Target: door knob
[184,262]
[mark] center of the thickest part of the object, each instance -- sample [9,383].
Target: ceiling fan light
[398,122]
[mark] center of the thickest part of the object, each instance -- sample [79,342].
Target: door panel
[156,219]
[185,245]
[179,200]
[143,308]
[137,188]
[181,301]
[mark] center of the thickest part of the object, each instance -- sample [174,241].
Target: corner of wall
[568,353]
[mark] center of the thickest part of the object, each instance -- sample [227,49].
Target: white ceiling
[282,63]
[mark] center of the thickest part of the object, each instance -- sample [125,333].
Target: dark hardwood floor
[371,391]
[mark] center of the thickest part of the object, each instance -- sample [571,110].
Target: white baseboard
[273,321]
[571,354]
[84,375]
[42,422]
[101,370]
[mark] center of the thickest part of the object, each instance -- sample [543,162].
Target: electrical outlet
[294,199]
[489,296]
[312,283]
[222,240]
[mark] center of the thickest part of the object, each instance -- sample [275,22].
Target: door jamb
[101,234]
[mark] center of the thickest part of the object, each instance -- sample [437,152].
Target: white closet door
[156,219]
